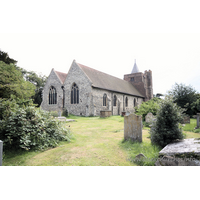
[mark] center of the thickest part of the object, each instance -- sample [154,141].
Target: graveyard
[96,142]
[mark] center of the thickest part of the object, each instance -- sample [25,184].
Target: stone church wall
[55,82]
[120,105]
[76,75]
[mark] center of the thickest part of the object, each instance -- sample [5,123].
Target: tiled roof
[62,76]
[108,82]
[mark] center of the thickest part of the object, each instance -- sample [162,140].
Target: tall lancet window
[52,96]
[75,94]
[105,100]
[115,101]
[126,102]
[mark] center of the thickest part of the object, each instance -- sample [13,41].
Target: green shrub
[150,106]
[54,113]
[29,128]
[65,113]
[166,128]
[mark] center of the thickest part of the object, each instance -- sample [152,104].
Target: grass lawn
[96,142]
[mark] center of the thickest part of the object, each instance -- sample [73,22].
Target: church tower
[142,81]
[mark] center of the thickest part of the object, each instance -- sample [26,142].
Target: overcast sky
[107,36]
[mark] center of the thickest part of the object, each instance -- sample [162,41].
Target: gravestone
[149,118]
[133,127]
[197,120]
[186,119]
[1,152]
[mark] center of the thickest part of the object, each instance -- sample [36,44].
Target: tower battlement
[142,81]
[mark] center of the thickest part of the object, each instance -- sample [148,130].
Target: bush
[150,106]
[166,128]
[29,128]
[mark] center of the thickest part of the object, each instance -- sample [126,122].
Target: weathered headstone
[133,127]
[1,152]
[186,119]
[149,118]
[197,120]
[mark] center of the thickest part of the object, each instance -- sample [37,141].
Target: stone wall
[54,81]
[76,75]
[143,82]
[97,96]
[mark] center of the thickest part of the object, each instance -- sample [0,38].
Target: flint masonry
[86,91]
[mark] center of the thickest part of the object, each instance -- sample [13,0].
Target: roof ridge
[60,77]
[101,72]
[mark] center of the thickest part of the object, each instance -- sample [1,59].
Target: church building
[86,91]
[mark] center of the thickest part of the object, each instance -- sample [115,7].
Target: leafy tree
[166,128]
[6,59]
[184,96]
[13,83]
[39,82]
[196,104]
[147,107]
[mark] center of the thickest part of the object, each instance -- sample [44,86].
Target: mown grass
[96,142]
[191,127]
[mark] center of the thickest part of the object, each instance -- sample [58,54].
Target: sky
[107,36]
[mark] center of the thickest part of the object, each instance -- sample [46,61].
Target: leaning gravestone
[1,152]
[133,127]
[149,118]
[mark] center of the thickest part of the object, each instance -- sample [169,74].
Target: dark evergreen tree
[166,128]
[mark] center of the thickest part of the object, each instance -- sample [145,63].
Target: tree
[13,83]
[166,128]
[39,82]
[150,106]
[196,104]
[184,96]
[6,59]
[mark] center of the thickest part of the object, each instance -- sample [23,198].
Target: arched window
[52,96]
[74,94]
[104,99]
[134,103]
[115,101]
[126,101]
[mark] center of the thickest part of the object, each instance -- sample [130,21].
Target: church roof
[108,82]
[135,68]
[61,76]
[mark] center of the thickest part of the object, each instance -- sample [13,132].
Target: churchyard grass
[96,142]
[190,127]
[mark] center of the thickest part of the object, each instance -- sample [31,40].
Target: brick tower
[142,81]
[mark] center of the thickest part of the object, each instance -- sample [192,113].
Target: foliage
[184,96]
[196,104]
[65,113]
[39,81]
[12,83]
[54,113]
[166,128]
[6,59]
[28,127]
[150,106]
